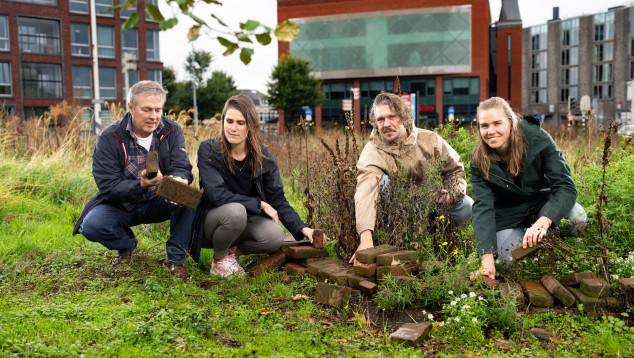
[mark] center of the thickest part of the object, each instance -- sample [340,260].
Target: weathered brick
[432,266]
[304,262]
[319,239]
[396,258]
[178,192]
[276,259]
[335,296]
[411,334]
[368,288]
[538,295]
[295,269]
[151,164]
[519,253]
[574,278]
[589,303]
[365,270]
[614,305]
[558,290]
[368,256]
[342,277]
[313,267]
[290,241]
[328,272]
[305,252]
[595,287]
[626,284]
[396,270]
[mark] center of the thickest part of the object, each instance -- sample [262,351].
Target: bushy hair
[148,88]
[396,103]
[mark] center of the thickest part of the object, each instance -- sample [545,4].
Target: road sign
[99,101]
[585,104]
[346,104]
[450,110]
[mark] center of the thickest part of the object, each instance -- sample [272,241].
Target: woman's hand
[270,212]
[308,232]
[487,269]
[536,232]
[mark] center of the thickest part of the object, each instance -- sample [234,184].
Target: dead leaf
[265,313]
[286,278]
[555,340]
[342,340]
[291,325]
[180,341]
[329,324]
[299,296]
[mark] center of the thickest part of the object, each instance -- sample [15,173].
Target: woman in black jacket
[243,199]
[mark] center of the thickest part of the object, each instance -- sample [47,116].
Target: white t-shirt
[145,142]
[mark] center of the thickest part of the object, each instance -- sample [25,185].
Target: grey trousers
[508,239]
[229,225]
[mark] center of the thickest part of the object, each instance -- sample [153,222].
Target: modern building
[46,56]
[586,61]
[446,54]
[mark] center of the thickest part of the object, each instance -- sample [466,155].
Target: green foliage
[197,63]
[465,316]
[210,97]
[292,86]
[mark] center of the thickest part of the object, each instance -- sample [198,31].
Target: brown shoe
[177,271]
[118,259]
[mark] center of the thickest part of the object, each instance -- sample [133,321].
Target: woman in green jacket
[521,184]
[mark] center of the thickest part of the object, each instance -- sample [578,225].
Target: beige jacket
[379,157]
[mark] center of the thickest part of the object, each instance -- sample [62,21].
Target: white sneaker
[227,267]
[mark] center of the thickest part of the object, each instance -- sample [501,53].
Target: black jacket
[213,176]
[109,160]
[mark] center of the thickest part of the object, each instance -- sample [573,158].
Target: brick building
[45,53]
[443,52]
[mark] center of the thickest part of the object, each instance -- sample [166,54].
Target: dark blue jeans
[110,226]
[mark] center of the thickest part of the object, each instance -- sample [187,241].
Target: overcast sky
[174,44]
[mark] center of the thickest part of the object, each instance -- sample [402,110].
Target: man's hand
[148,183]
[365,243]
[536,232]
[487,269]
[272,213]
[442,196]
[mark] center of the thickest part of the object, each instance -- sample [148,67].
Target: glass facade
[78,6]
[82,82]
[539,63]
[569,83]
[129,42]
[463,94]
[4,33]
[38,36]
[6,87]
[102,7]
[38,2]
[107,82]
[80,39]
[425,90]
[41,80]
[603,56]
[155,75]
[105,41]
[152,42]
[414,41]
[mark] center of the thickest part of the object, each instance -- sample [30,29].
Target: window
[38,36]
[126,13]
[602,91]
[80,39]
[6,89]
[604,26]
[538,60]
[570,56]
[41,80]
[569,76]
[337,90]
[133,77]
[568,92]
[153,53]
[462,86]
[538,37]
[155,75]
[602,72]
[604,52]
[538,96]
[424,87]
[105,41]
[102,7]
[372,88]
[129,42]
[78,6]
[155,3]
[4,33]
[39,2]
[82,82]
[107,83]
[631,69]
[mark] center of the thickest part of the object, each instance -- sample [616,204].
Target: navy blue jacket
[109,160]
[213,177]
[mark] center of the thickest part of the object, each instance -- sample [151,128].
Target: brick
[328,272]
[178,192]
[574,278]
[396,258]
[558,290]
[543,334]
[335,296]
[368,256]
[397,270]
[290,241]
[411,334]
[626,284]
[520,253]
[276,259]
[432,266]
[538,295]
[341,277]
[295,269]
[304,262]
[614,305]
[151,164]
[368,288]
[490,282]
[313,268]
[365,270]
[595,287]
[589,303]
[355,280]
[305,252]
[319,239]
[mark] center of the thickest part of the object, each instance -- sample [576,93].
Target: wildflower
[472,294]
[430,316]
[444,243]
[457,319]
[474,320]
[453,303]
[465,307]
[464,295]
[451,292]
[616,277]
[480,298]
[462,328]
[441,324]
[441,217]
[455,252]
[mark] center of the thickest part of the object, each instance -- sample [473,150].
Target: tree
[197,63]
[215,93]
[291,86]
[249,31]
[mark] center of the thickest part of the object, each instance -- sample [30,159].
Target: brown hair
[255,144]
[396,103]
[483,154]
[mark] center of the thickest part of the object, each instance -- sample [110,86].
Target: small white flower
[472,294]
[441,324]
[480,298]
[465,307]
[535,259]
[424,312]
[430,316]
[457,319]
[451,292]
[462,328]
[474,320]
[464,295]
[616,277]
[453,303]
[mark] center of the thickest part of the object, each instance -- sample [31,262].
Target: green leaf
[219,21]
[231,46]
[213,2]
[286,31]
[193,32]
[264,38]
[168,24]
[154,12]
[245,55]
[132,20]
[195,18]
[243,37]
[250,25]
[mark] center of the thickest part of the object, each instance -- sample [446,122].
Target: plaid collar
[131,131]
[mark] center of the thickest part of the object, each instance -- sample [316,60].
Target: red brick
[397,270]
[589,303]
[538,295]
[368,256]
[151,164]
[558,290]
[614,305]
[319,239]
[355,281]
[335,296]
[305,252]
[295,269]
[313,267]
[290,241]
[276,259]
[520,253]
[411,334]
[178,192]
[626,284]
[574,278]
[396,258]
[342,277]
[595,287]
[365,270]
[368,288]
